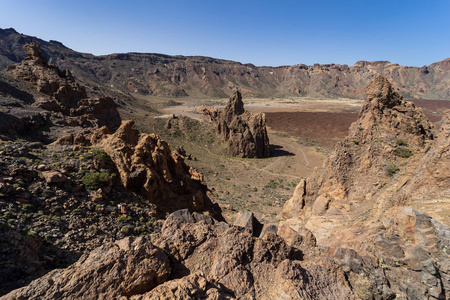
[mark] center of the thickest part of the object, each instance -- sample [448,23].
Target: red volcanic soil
[327,128]
[432,108]
[324,127]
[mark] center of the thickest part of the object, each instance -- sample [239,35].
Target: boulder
[249,221]
[53,177]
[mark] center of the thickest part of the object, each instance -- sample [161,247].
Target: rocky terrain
[68,186]
[92,208]
[245,132]
[366,197]
[179,76]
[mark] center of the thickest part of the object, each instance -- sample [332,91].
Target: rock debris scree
[245,132]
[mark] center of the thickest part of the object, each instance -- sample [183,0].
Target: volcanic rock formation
[67,96]
[147,166]
[391,158]
[245,132]
[194,257]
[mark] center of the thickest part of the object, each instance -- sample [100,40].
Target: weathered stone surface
[66,94]
[48,79]
[192,260]
[122,269]
[147,166]
[53,176]
[249,221]
[293,207]
[245,132]
[355,205]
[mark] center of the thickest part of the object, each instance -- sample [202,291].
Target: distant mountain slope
[197,76]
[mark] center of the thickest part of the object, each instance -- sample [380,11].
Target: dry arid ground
[301,133]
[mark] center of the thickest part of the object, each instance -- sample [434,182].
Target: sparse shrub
[9,215]
[403,151]
[126,229]
[100,155]
[76,212]
[37,162]
[139,230]
[98,207]
[95,230]
[401,142]
[95,180]
[27,207]
[255,189]
[27,233]
[391,169]
[356,142]
[121,219]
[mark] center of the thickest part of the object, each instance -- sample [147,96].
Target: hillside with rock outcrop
[367,197]
[195,76]
[245,132]
[67,183]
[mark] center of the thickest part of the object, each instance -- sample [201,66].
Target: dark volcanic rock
[245,132]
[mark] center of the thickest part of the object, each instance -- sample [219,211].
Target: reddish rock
[147,166]
[53,176]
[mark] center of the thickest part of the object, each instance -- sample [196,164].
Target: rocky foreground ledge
[194,257]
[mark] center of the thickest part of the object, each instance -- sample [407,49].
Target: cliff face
[178,76]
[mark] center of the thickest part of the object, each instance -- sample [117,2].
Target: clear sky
[273,33]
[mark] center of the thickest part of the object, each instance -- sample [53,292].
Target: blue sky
[273,33]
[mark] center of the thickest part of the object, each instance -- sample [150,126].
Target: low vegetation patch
[95,180]
[403,151]
[391,169]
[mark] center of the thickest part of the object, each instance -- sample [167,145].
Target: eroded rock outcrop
[245,132]
[194,257]
[67,95]
[147,166]
[124,268]
[363,205]
[382,144]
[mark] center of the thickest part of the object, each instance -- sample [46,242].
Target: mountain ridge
[202,77]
